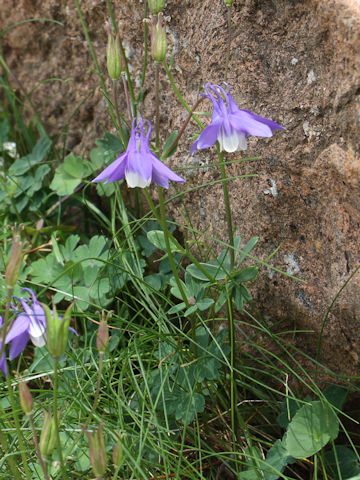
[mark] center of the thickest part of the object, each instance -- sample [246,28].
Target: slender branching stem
[185,124]
[36,443]
[56,417]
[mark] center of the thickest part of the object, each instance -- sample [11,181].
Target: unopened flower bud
[102,338]
[118,453]
[48,436]
[97,451]
[16,258]
[158,39]
[229,3]
[57,330]
[156,6]
[26,400]
[115,63]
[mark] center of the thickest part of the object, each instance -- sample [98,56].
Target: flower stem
[228,53]
[56,417]
[227,205]
[162,220]
[18,429]
[157,106]
[182,129]
[36,443]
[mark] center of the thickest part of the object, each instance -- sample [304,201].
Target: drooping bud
[16,258]
[156,6]
[118,453]
[158,38]
[114,60]
[229,3]
[97,451]
[48,436]
[57,330]
[102,338]
[26,400]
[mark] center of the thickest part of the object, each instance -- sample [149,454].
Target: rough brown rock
[296,62]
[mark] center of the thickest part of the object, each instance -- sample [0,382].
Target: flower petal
[20,326]
[207,137]
[134,179]
[161,174]
[18,345]
[114,172]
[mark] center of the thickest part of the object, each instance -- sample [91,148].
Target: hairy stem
[36,443]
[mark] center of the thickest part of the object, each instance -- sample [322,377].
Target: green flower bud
[26,400]
[115,63]
[48,436]
[158,39]
[102,338]
[156,6]
[118,453]
[97,451]
[16,258]
[229,3]
[57,330]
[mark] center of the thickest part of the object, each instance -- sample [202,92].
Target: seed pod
[26,400]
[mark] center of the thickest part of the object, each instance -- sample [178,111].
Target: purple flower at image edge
[2,359]
[230,125]
[138,165]
[29,324]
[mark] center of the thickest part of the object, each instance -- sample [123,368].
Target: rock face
[293,61]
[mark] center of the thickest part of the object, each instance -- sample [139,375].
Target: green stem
[168,246]
[56,418]
[10,458]
[162,220]
[36,443]
[18,429]
[227,205]
[157,106]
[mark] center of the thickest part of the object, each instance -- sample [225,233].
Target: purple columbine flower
[229,124]
[29,324]
[138,165]
[2,359]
